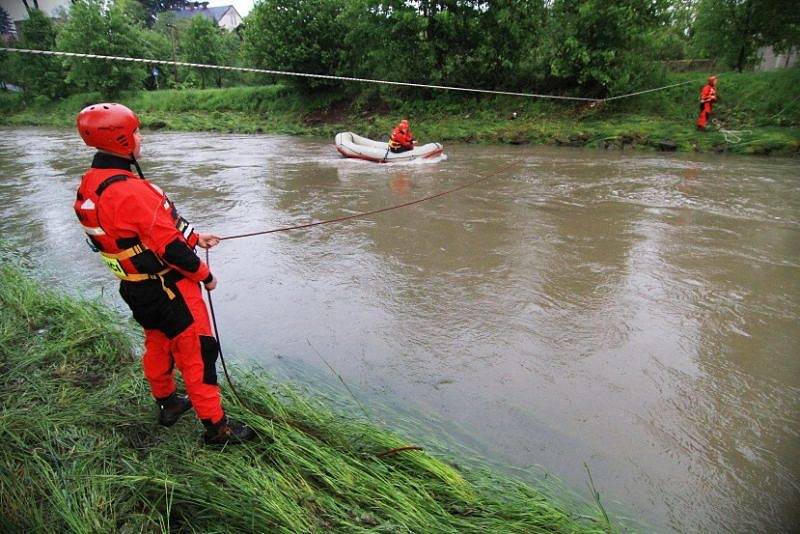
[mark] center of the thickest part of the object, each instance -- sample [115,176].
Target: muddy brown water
[634,312]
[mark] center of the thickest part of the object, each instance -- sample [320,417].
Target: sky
[242,6]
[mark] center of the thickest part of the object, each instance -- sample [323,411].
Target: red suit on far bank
[708,95]
[401,139]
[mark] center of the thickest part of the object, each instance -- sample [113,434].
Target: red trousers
[705,114]
[193,351]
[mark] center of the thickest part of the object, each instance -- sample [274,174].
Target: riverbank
[81,450]
[759,114]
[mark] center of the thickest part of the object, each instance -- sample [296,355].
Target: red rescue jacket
[708,94]
[134,226]
[401,138]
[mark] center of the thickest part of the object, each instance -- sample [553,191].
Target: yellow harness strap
[112,262]
[125,254]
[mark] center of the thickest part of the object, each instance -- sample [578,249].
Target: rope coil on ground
[732,137]
[331,77]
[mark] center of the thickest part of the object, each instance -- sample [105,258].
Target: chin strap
[136,164]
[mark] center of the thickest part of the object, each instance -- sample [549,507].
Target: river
[634,312]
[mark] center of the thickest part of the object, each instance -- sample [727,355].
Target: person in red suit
[708,96]
[401,139]
[137,232]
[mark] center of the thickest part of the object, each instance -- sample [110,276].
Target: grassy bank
[80,450]
[762,107]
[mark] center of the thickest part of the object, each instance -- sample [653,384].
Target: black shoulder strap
[108,181]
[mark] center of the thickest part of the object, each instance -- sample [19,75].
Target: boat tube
[351,145]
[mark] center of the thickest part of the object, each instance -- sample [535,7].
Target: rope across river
[331,77]
[359,215]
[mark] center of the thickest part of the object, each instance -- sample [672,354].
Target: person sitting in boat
[401,139]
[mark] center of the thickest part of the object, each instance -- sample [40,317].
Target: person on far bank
[708,96]
[140,237]
[401,139]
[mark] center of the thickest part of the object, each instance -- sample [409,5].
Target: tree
[451,33]
[134,11]
[154,8]
[508,54]
[733,30]
[231,44]
[469,42]
[38,75]
[601,45]
[671,40]
[93,29]
[201,42]
[781,25]
[381,37]
[296,35]
[157,46]
[727,30]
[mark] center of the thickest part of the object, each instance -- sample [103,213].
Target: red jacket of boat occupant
[401,139]
[708,95]
[140,237]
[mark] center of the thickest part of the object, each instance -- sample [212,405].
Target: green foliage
[781,24]
[451,32]
[155,9]
[508,55]
[475,44]
[671,39]
[733,30]
[201,42]
[726,30]
[156,46]
[296,35]
[133,10]
[231,50]
[384,40]
[601,45]
[38,75]
[93,29]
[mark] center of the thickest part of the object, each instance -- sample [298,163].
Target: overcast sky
[242,6]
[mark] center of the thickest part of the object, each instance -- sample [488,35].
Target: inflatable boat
[351,145]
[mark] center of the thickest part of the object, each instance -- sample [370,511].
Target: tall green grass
[80,450]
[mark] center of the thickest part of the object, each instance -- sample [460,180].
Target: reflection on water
[634,312]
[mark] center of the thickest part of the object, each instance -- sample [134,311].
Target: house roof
[214,13]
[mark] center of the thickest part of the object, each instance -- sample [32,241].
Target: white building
[52,8]
[223,16]
[771,61]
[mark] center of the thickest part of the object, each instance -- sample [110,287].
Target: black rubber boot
[171,408]
[226,432]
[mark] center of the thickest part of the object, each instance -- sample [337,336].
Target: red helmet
[108,127]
